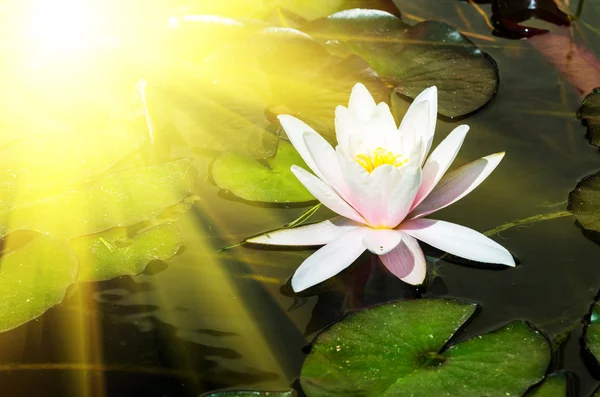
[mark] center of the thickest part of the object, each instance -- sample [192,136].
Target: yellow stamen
[379,157]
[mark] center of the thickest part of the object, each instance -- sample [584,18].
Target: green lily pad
[41,165]
[555,385]
[592,333]
[253,181]
[250,393]
[589,114]
[122,198]
[411,59]
[114,253]
[400,349]
[584,202]
[230,101]
[33,278]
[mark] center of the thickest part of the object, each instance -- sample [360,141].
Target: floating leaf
[412,59]
[250,393]
[584,202]
[230,101]
[123,198]
[589,114]
[114,253]
[399,349]
[592,333]
[33,278]
[41,165]
[253,181]
[555,385]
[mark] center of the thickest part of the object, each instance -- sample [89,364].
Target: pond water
[207,320]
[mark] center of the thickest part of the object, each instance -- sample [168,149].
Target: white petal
[438,163]
[457,184]
[327,161]
[325,194]
[295,130]
[458,240]
[381,241]
[329,260]
[406,261]
[346,126]
[361,102]
[400,197]
[421,117]
[378,127]
[313,234]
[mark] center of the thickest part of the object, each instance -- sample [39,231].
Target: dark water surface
[207,320]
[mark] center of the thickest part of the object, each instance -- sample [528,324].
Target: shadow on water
[124,350]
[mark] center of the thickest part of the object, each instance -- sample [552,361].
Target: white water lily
[381,183]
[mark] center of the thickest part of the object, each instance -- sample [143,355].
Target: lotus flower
[381,183]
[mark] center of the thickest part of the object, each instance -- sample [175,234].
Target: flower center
[378,157]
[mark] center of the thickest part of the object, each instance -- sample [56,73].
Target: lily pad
[589,114]
[114,253]
[592,333]
[231,100]
[122,198]
[33,278]
[250,393]
[400,349]
[584,202]
[411,59]
[555,385]
[253,181]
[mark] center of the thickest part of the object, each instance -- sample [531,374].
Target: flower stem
[296,222]
[527,221]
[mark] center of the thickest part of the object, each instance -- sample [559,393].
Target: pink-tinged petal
[381,241]
[399,198]
[313,234]
[361,102]
[421,117]
[458,240]
[327,161]
[295,130]
[406,261]
[329,260]
[457,184]
[325,194]
[438,163]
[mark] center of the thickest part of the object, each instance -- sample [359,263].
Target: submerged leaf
[114,253]
[33,278]
[592,333]
[589,114]
[555,385]
[122,198]
[399,349]
[414,58]
[253,181]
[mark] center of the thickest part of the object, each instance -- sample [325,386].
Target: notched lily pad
[115,253]
[250,393]
[584,202]
[33,278]
[122,198]
[411,59]
[254,181]
[399,349]
[589,114]
[555,385]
